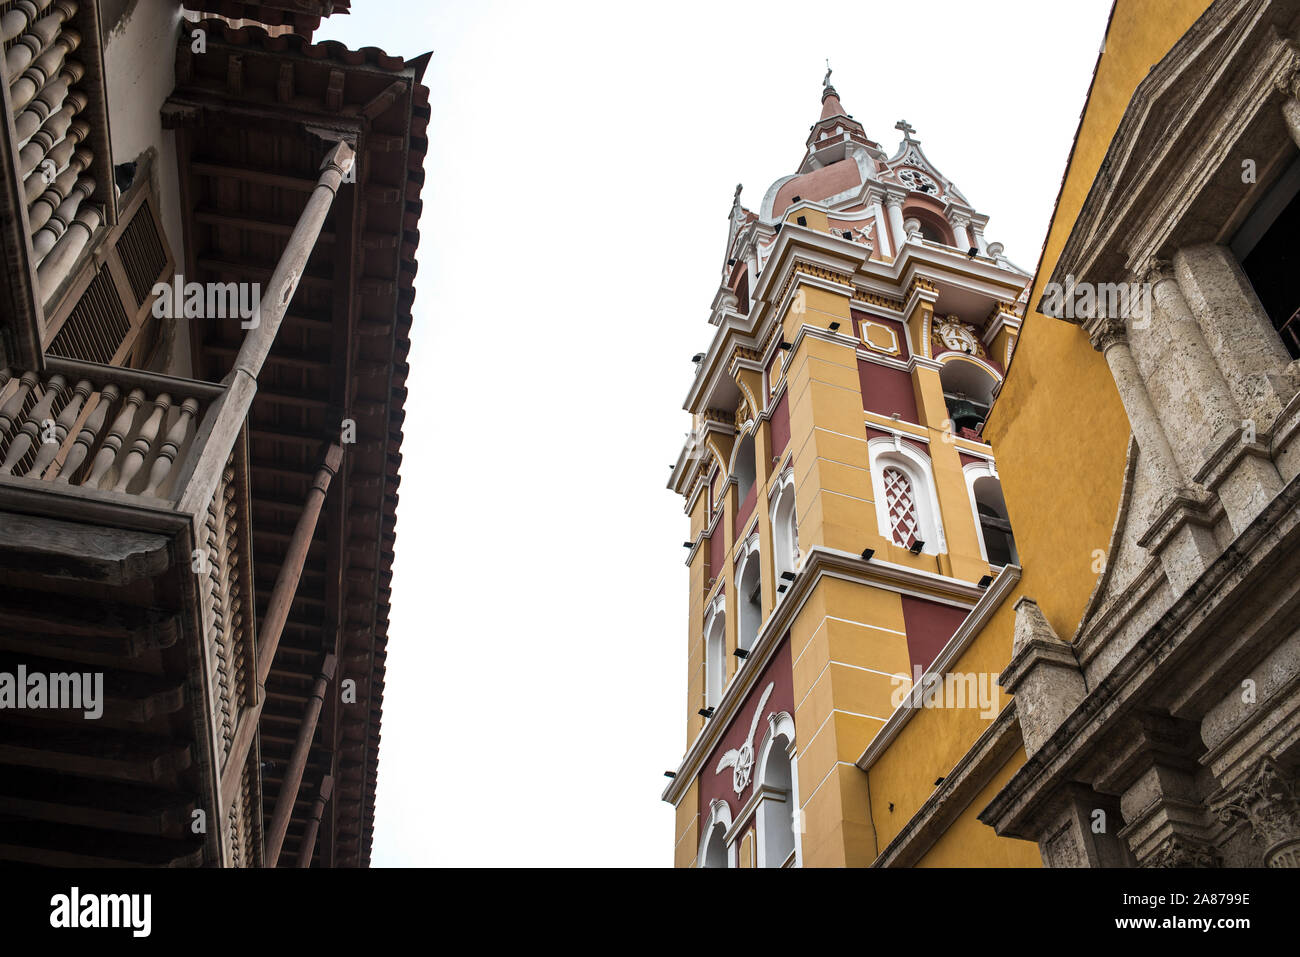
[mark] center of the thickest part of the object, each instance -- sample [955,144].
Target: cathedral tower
[845,510]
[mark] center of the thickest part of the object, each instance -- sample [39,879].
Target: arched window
[714,850]
[997,545]
[715,652]
[907,509]
[775,787]
[749,595]
[744,468]
[968,392]
[785,534]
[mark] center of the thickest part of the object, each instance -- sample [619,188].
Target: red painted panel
[714,785]
[779,427]
[929,627]
[745,510]
[886,391]
[717,550]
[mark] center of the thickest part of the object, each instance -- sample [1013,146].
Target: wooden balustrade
[100,427]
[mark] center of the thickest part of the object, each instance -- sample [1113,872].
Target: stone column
[960,238]
[894,205]
[1109,337]
[1200,414]
[1237,330]
[884,245]
[977,224]
[1181,530]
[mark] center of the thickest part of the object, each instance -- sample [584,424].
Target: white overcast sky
[581,165]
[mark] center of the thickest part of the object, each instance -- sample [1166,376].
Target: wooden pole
[277,613]
[297,763]
[221,425]
[286,582]
[313,823]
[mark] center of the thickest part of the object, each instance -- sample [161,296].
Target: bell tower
[845,511]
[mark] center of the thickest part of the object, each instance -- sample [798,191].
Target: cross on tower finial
[735,200]
[907,128]
[826,80]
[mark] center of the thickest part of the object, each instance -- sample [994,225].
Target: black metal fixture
[787,576]
[741,653]
[698,357]
[972,252]
[986,581]
[731,262]
[798,199]
[938,781]
[670,774]
[705,712]
[867,553]
[785,345]
[780,589]
[835,326]
[688,544]
[916,546]
[801,220]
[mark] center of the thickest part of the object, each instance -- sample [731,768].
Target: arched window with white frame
[785,533]
[749,594]
[714,850]
[997,544]
[715,651]
[777,791]
[907,508]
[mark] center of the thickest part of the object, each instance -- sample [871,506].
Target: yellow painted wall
[1060,436]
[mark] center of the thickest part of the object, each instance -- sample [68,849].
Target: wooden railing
[90,426]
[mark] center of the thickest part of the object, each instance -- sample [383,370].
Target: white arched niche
[785,532]
[714,850]
[992,521]
[776,787]
[749,593]
[715,650]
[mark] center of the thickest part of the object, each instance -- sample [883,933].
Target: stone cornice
[1155,171]
[1191,624]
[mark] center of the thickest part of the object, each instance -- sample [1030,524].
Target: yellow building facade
[983,699]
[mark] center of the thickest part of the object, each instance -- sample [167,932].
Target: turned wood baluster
[62,426]
[176,437]
[31,432]
[144,441]
[88,434]
[13,409]
[117,433]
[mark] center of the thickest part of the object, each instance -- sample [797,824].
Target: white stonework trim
[719,813]
[989,602]
[894,453]
[971,472]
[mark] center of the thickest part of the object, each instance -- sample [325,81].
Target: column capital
[894,196]
[1267,799]
[1104,333]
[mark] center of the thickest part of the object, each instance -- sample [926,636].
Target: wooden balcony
[118,556]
